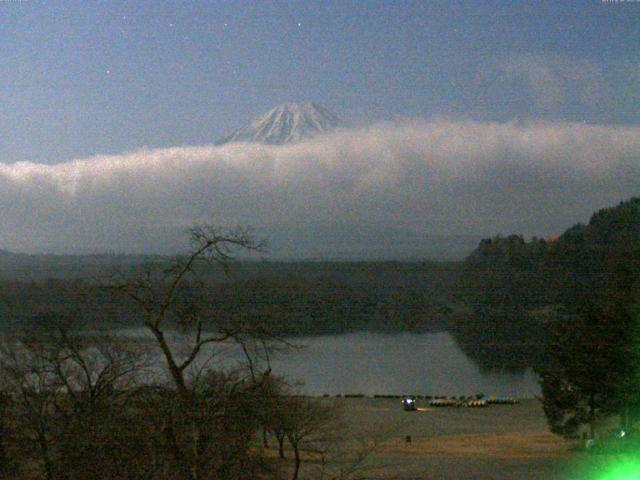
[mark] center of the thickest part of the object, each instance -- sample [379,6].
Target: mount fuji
[287,123]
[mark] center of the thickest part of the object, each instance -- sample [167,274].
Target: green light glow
[620,468]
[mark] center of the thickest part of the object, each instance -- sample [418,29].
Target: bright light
[621,468]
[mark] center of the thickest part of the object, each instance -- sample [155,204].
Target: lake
[376,363]
[382,363]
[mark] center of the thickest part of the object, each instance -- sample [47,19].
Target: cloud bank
[390,181]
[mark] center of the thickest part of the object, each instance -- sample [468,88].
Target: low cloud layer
[400,181]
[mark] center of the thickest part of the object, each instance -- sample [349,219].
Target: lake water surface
[381,363]
[374,363]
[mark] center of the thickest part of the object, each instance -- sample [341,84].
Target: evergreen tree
[593,367]
[582,291]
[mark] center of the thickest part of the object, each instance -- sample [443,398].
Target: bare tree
[321,440]
[174,305]
[304,421]
[65,386]
[171,300]
[90,368]
[29,381]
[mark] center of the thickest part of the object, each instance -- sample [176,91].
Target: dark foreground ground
[495,442]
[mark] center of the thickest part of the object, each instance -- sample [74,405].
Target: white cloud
[427,177]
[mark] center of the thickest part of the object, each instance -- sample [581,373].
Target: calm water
[370,363]
[376,363]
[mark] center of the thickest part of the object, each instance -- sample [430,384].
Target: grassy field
[496,442]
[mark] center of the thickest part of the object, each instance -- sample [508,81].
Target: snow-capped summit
[289,122]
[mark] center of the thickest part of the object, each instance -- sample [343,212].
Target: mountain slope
[286,123]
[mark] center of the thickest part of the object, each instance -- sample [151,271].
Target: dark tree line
[509,285]
[594,347]
[569,307]
[297,298]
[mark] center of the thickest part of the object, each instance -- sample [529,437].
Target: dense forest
[295,298]
[520,291]
[510,287]
[569,307]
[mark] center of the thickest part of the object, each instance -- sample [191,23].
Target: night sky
[467,117]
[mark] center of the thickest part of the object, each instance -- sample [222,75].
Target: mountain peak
[287,123]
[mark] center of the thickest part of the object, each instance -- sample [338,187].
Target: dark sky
[467,118]
[86,77]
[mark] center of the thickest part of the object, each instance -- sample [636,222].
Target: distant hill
[619,225]
[515,287]
[22,266]
[286,123]
[295,298]
[284,243]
